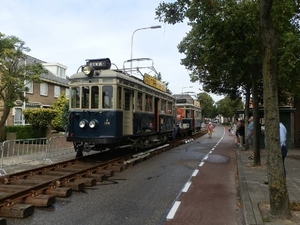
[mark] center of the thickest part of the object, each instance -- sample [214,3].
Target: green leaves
[60,106]
[39,117]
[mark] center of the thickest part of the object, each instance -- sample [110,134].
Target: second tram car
[113,108]
[188,114]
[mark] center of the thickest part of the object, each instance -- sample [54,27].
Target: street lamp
[184,88]
[144,28]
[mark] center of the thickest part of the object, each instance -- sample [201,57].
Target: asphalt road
[141,195]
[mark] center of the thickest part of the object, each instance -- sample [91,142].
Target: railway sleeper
[17,211]
[77,185]
[59,192]
[40,200]
[106,172]
[98,177]
[88,181]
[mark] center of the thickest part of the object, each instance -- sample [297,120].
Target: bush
[40,118]
[26,132]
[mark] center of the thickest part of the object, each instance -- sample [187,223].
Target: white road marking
[186,187]
[172,212]
[201,164]
[195,173]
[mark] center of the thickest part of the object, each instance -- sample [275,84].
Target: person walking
[210,129]
[282,133]
[241,131]
[250,136]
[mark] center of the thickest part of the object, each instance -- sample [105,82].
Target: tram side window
[107,97]
[85,97]
[148,106]
[163,106]
[75,97]
[170,108]
[188,113]
[95,97]
[140,101]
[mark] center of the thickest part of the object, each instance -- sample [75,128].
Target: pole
[144,28]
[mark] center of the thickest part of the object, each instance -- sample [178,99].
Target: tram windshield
[88,97]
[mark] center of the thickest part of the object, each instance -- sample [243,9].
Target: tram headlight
[87,70]
[82,123]
[93,123]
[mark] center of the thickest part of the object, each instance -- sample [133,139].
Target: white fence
[22,151]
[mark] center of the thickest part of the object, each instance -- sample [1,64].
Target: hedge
[26,132]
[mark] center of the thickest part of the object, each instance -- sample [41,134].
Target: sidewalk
[252,187]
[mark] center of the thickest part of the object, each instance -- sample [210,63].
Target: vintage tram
[118,108]
[188,114]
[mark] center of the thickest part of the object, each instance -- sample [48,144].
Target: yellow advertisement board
[154,83]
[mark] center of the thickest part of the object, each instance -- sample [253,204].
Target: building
[40,95]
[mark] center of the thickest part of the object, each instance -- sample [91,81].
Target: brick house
[41,95]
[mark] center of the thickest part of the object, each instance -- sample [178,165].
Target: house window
[17,116]
[29,86]
[56,91]
[44,89]
[67,93]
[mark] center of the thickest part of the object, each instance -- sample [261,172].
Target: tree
[207,104]
[279,198]
[224,52]
[14,73]
[159,77]
[228,107]
[59,106]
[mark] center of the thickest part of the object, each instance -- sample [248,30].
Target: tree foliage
[14,73]
[228,107]
[207,104]
[223,51]
[59,106]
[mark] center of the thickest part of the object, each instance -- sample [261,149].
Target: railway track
[21,192]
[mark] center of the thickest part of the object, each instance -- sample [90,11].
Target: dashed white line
[201,164]
[172,212]
[195,173]
[186,186]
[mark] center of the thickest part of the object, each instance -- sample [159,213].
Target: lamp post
[144,28]
[184,88]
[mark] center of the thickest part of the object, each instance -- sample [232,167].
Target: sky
[70,31]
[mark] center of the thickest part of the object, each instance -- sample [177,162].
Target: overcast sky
[70,31]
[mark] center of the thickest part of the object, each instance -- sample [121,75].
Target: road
[145,193]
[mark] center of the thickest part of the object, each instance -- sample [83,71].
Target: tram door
[156,115]
[127,113]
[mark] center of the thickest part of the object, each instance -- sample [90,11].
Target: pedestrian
[282,133]
[210,129]
[241,131]
[237,126]
[250,136]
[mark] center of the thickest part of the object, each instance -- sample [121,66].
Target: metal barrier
[58,146]
[22,151]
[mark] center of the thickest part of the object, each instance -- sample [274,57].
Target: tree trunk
[279,198]
[256,125]
[4,116]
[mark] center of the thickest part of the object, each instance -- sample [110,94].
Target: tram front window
[95,97]
[85,97]
[75,97]
[107,97]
